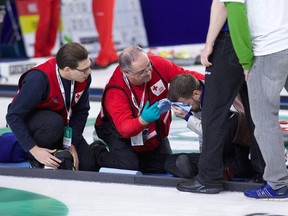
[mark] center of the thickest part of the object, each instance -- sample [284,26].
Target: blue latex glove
[164,105]
[152,113]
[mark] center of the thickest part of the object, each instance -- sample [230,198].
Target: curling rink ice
[90,198]
[82,198]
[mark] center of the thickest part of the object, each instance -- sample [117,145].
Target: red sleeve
[118,108]
[169,70]
[198,75]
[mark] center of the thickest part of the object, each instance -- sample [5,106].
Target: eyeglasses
[142,72]
[84,70]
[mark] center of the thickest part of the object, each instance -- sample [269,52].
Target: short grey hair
[129,55]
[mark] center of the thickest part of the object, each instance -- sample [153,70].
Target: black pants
[223,80]
[46,128]
[235,157]
[122,156]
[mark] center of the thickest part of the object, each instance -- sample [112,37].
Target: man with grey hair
[130,122]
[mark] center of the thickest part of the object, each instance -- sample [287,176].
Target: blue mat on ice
[21,164]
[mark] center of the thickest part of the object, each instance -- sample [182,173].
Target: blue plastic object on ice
[165,105]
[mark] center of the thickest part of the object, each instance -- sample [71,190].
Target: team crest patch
[78,96]
[158,88]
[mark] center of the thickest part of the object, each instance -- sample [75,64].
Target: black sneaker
[195,186]
[35,164]
[67,161]
[97,147]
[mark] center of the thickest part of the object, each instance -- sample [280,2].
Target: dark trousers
[223,80]
[46,128]
[235,157]
[122,156]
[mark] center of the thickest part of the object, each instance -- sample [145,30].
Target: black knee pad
[182,165]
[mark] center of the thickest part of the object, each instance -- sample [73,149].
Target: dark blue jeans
[223,80]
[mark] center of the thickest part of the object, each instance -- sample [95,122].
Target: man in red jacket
[130,122]
[53,98]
